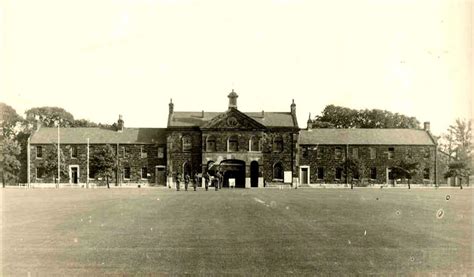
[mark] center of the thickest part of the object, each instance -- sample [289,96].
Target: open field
[243,231]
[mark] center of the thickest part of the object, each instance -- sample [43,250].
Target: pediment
[233,119]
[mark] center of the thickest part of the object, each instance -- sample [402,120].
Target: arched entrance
[254,174]
[187,169]
[233,169]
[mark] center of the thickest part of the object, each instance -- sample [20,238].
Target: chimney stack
[263,114]
[171,107]
[120,124]
[426,126]
[293,107]
[309,123]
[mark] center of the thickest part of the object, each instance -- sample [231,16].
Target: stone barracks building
[252,149]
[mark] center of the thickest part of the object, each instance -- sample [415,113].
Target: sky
[99,59]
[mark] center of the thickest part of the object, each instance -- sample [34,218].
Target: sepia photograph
[243,138]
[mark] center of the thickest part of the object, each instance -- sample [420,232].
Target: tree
[353,168]
[103,162]
[84,123]
[459,141]
[9,119]
[342,117]
[50,164]
[405,169]
[458,169]
[48,116]
[10,165]
[447,144]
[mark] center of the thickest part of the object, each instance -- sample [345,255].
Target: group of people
[209,180]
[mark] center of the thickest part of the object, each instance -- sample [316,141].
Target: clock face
[232,121]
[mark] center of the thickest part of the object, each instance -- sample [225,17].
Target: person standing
[219,179]
[206,181]
[196,180]
[215,182]
[186,181]
[178,179]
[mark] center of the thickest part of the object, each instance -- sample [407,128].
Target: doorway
[234,171]
[160,175]
[254,174]
[74,174]
[304,175]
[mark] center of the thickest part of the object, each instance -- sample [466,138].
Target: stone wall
[272,157]
[327,160]
[132,157]
[177,157]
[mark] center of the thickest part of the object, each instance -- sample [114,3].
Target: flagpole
[87,177]
[59,160]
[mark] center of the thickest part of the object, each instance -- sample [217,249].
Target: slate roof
[100,136]
[366,136]
[196,119]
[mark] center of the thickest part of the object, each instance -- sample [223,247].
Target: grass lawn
[240,232]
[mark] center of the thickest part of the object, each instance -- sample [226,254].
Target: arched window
[278,171]
[187,145]
[233,144]
[278,144]
[211,144]
[254,144]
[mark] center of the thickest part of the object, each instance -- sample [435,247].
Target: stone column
[247,176]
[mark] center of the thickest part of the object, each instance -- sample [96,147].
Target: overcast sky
[98,59]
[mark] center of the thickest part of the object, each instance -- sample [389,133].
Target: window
[74,151]
[39,151]
[319,153]
[391,153]
[338,153]
[373,153]
[426,173]
[124,151]
[143,153]
[39,172]
[211,144]
[254,144]
[278,171]
[161,152]
[320,173]
[92,172]
[409,154]
[144,173]
[373,173]
[126,172]
[355,153]
[338,173]
[187,144]
[233,144]
[304,151]
[355,175]
[427,152]
[278,144]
